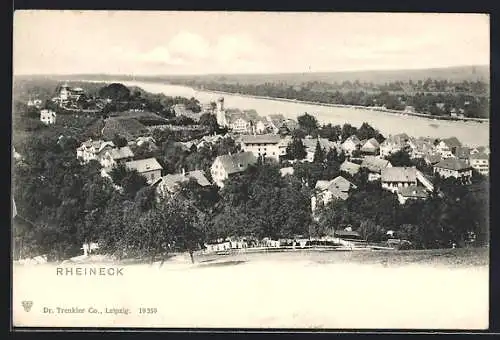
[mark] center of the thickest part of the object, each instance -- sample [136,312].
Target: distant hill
[460,73]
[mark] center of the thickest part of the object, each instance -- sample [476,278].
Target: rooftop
[237,162]
[171,181]
[144,165]
[260,139]
[452,164]
[413,191]
[452,142]
[350,167]
[479,155]
[121,153]
[374,164]
[399,174]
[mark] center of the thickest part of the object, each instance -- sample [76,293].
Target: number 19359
[148,310]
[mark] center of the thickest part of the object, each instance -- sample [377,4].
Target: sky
[163,43]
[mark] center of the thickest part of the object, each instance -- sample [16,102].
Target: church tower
[221,113]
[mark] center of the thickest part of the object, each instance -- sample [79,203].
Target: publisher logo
[27,305]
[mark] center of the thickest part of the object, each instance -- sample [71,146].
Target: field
[443,289]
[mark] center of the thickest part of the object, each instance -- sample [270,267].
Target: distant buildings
[47,117]
[370,147]
[149,168]
[90,150]
[394,144]
[226,165]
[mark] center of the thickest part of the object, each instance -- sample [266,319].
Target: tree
[319,153]
[119,141]
[400,158]
[132,183]
[115,92]
[210,120]
[307,122]
[296,149]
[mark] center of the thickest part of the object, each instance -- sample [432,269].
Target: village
[127,139]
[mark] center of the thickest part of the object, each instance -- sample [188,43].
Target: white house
[262,145]
[481,162]
[447,147]
[351,144]
[113,156]
[393,178]
[452,167]
[375,166]
[149,168]
[337,188]
[47,116]
[169,184]
[226,165]
[393,144]
[239,123]
[371,146]
[90,149]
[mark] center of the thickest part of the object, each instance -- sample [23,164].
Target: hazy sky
[133,42]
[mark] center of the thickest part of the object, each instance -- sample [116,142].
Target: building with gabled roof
[90,149]
[113,156]
[411,192]
[326,191]
[351,144]
[375,164]
[263,145]
[169,184]
[350,167]
[448,146]
[149,168]
[310,146]
[394,178]
[480,161]
[371,147]
[226,165]
[452,167]
[394,143]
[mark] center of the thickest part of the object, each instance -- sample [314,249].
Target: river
[469,133]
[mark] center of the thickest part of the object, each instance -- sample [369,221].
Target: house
[286,171]
[260,125]
[226,165]
[113,156]
[239,123]
[432,159]
[452,167]
[394,178]
[394,143]
[351,144]
[370,147]
[375,166]
[276,121]
[447,147]
[129,128]
[149,168]
[412,192]
[462,153]
[262,145]
[310,146]
[47,116]
[169,184]
[420,147]
[481,162]
[291,124]
[89,150]
[484,149]
[350,168]
[326,191]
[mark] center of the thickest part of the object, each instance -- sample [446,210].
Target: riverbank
[372,108]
